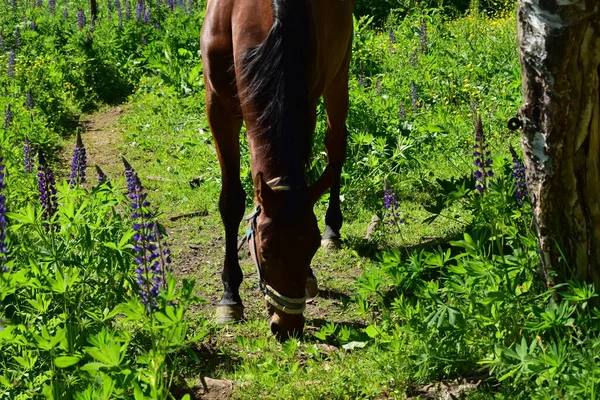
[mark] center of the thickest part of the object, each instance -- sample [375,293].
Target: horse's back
[231,27]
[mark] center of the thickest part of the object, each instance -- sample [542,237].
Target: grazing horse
[267,63]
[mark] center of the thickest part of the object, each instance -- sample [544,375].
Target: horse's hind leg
[336,104]
[225,124]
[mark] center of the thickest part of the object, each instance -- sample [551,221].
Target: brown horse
[267,63]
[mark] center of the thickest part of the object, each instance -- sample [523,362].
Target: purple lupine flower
[8,118]
[139,10]
[171,4]
[2,45]
[414,95]
[78,163]
[52,6]
[401,112]
[190,7]
[27,155]
[127,11]
[390,202]
[147,15]
[519,177]
[47,188]
[11,64]
[156,24]
[482,158]
[119,12]
[29,100]
[389,197]
[3,267]
[423,37]
[150,271]
[39,3]
[80,19]
[392,36]
[32,25]
[102,178]
[17,38]
[66,13]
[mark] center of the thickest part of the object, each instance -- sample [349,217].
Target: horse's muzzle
[285,326]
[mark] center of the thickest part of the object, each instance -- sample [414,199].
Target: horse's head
[285,239]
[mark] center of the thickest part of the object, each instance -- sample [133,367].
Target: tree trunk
[559,43]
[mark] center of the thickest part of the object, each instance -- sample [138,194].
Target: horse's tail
[278,79]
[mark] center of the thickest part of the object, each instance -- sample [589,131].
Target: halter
[288,305]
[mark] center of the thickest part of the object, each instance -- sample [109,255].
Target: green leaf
[164,319]
[137,393]
[354,345]
[26,217]
[27,361]
[66,361]
[134,310]
[372,331]
[93,366]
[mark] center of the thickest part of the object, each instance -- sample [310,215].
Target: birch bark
[559,45]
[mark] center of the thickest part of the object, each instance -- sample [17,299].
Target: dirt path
[102,139]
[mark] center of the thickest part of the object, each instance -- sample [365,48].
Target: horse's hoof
[312,288]
[331,244]
[227,314]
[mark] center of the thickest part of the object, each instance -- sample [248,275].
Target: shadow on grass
[320,322]
[369,248]
[199,361]
[334,295]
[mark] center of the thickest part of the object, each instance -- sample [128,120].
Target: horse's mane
[277,74]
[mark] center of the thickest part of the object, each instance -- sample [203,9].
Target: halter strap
[274,184]
[288,305]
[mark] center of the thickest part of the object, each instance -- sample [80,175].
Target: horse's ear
[265,196]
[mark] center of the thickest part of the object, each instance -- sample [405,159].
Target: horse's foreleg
[336,104]
[225,126]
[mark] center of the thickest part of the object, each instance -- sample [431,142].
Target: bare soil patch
[103,139]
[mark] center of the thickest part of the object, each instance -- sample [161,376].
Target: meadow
[111,241]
